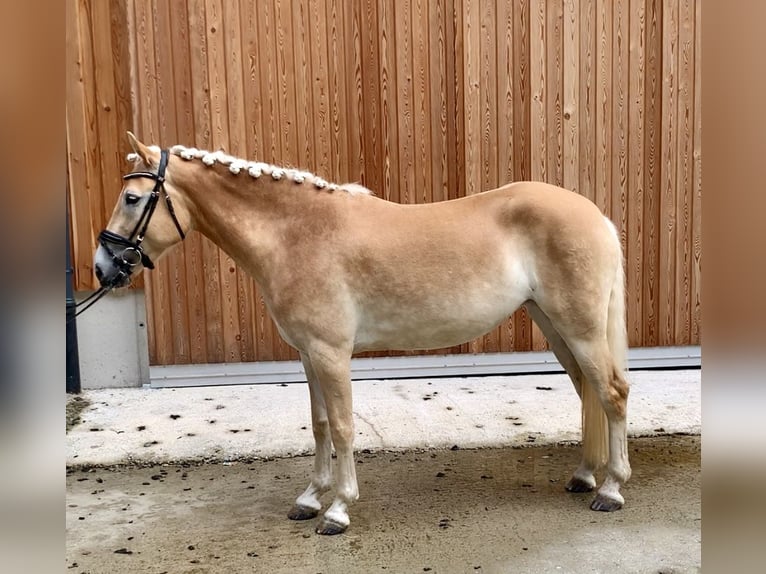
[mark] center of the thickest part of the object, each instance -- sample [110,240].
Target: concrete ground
[486,506]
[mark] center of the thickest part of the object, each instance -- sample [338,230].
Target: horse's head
[146,221]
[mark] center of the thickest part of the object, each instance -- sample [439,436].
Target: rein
[133,253]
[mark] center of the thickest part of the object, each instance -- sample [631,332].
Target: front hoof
[330,527]
[604,504]
[578,485]
[299,512]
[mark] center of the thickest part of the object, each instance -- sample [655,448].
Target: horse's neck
[243,215]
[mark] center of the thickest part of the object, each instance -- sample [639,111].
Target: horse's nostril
[99,273]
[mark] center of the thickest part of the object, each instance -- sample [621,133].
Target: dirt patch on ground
[491,510]
[75,404]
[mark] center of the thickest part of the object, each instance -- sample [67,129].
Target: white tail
[595,429]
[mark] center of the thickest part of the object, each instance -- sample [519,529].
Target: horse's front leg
[307,505]
[333,370]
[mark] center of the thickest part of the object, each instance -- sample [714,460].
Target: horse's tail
[595,425]
[616,329]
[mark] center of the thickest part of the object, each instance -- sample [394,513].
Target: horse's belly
[402,326]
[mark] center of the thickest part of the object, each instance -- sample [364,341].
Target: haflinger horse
[343,271]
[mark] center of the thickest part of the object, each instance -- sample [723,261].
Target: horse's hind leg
[583,479]
[307,505]
[602,372]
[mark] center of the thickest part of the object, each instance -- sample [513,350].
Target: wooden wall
[417,99]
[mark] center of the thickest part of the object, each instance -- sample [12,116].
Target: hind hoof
[578,485]
[329,527]
[604,504]
[299,512]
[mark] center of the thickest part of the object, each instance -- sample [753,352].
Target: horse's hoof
[330,527]
[299,512]
[578,485]
[604,504]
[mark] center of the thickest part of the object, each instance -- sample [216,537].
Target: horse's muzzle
[109,275]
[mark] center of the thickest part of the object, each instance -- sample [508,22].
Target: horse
[343,271]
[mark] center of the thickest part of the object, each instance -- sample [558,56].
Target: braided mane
[257,169]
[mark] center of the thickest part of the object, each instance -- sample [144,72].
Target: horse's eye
[132,198]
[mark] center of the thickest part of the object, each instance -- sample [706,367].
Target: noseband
[133,252]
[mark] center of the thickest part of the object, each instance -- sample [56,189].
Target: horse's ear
[149,156]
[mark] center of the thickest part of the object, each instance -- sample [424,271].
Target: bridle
[133,252]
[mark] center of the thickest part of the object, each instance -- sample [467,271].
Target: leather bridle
[133,252]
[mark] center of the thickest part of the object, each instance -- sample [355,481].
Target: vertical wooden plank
[370,103]
[171,284]
[285,80]
[253,113]
[79,72]
[320,88]
[635,245]
[587,107]
[336,69]
[421,95]
[234,81]
[105,108]
[456,101]
[684,188]
[268,81]
[354,85]
[403,61]
[388,100]
[302,81]
[522,111]
[668,168]
[619,144]
[652,170]
[505,99]
[488,80]
[437,88]
[554,91]
[472,94]
[192,297]
[571,118]
[603,194]
[696,215]
[538,83]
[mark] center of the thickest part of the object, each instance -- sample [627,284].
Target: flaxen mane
[257,169]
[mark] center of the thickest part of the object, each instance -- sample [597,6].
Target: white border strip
[269,372]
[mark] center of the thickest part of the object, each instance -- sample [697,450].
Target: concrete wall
[112,341]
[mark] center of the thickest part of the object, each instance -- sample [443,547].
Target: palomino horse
[343,271]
